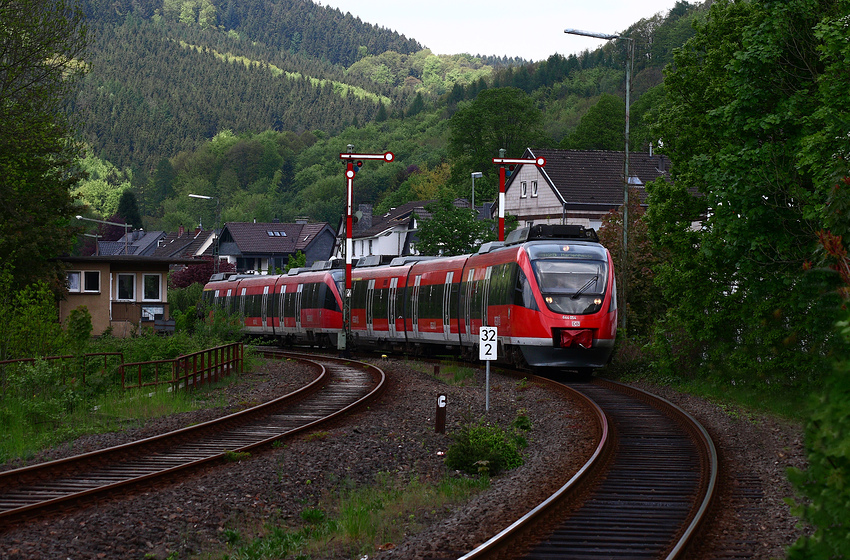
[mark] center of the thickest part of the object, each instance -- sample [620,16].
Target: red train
[549,290]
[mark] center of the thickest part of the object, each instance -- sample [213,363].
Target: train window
[571,286]
[523,295]
[330,300]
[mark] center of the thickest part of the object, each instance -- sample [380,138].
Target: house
[577,186]
[393,234]
[260,247]
[390,234]
[123,293]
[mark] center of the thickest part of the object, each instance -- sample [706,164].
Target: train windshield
[572,278]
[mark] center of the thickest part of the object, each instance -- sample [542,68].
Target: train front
[576,294]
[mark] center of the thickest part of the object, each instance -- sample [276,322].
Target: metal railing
[189,371]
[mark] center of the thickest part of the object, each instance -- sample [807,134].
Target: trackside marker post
[350,158]
[502,161]
[440,427]
[487,351]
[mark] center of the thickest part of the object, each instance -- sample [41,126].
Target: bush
[480,448]
[825,482]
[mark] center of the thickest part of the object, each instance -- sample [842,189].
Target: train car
[550,291]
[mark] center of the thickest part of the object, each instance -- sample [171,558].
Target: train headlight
[597,301]
[549,299]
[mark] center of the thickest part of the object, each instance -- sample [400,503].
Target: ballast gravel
[198,514]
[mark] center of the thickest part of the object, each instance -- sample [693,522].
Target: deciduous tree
[41,42]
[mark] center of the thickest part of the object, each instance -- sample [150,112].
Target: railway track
[641,495]
[339,387]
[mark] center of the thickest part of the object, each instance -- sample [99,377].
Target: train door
[265,311]
[447,301]
[228,301]
[298,293]
[370,308]
[485,296]
[415,307]
[467,308]
[391,314]
[280,311]
[242,302]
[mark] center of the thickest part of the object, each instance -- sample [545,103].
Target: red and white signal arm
[487,343]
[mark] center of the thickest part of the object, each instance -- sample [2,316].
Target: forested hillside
[273,90]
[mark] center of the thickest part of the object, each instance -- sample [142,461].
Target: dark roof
[272,238]
[400,215]
[174,244]
[596,176]
[129,259]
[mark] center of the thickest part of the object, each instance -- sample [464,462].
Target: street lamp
[217,220]
[630,57]
[126,234]
[475,175]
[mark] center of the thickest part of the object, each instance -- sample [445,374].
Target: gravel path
[195,516]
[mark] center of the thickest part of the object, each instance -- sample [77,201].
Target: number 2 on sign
[487,343]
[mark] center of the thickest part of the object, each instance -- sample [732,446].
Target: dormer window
[276,233]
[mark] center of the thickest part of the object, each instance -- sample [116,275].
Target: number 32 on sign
[487,343]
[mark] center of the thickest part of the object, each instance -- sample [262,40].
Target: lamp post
[630,57]
[126,232]
[217,220]
[475,175]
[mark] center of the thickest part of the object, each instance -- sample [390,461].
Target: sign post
[487,351]
[352,160]
[501,161]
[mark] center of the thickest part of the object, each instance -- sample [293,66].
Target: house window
[523,189]
[72,281]
[91,281]
[151,287]
[127,287]
[534,188]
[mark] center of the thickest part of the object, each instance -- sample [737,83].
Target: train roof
[551,231]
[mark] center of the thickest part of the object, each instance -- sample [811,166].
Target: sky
[497,27]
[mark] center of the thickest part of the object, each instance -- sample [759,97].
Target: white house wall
[545,208]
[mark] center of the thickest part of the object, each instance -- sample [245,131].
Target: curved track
[340,386]
[641,495]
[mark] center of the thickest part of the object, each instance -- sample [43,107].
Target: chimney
[180,231]
[365,221]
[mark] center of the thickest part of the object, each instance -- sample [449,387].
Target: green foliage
[482,448]
[499,118]
[42,44]
[452,231]
[824,482]
[740,128]
[28,327]
[601,128]
[103,186]
[78,329]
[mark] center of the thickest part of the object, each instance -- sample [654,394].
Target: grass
[451,374]
[355,522]
[30,425]
[736,398]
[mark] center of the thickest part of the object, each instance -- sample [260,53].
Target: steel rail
[535,534]
[32,490]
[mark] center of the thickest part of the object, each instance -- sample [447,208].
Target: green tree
[500,118]
[601,128]
[452,231]
[755,121]
[42,43]
[128,209]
